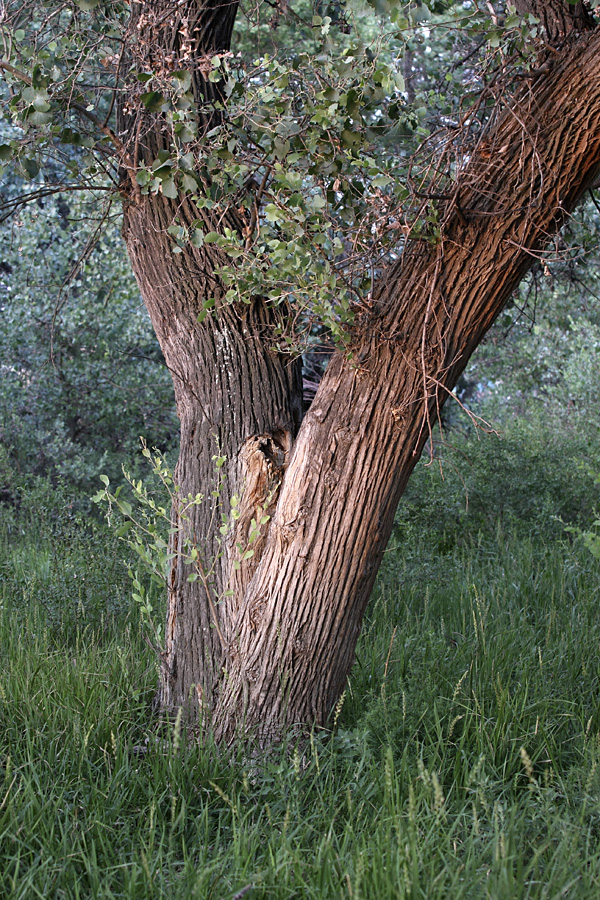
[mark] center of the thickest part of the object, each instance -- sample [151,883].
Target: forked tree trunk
[277,653]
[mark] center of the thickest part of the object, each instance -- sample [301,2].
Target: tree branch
[9,207]
[86,113]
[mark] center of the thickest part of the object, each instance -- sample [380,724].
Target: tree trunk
[557,19]
[277,653]
[235,398]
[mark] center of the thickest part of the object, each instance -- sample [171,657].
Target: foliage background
[82,374]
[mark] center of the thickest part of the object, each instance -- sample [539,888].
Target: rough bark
[557,19]
[277,653]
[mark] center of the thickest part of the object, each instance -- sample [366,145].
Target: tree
[266,639]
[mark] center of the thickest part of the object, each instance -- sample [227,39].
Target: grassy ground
[464,762]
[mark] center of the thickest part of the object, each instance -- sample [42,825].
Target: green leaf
[182,80]
[185,133]
[272,213]
[6,152]
[381,181]
[39,118]
[420,14]
[152,100]
[189,183]
[169,188]
[123,529]
[105,480]
[40,102]
[197,238]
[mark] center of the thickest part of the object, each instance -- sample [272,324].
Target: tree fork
[285,640]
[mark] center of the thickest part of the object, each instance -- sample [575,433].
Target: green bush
[522,480]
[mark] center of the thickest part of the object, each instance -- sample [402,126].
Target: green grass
[464,764]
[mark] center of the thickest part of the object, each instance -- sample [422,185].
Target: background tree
[261,197]
[82,376]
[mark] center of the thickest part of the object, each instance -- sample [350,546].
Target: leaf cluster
[299,164]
